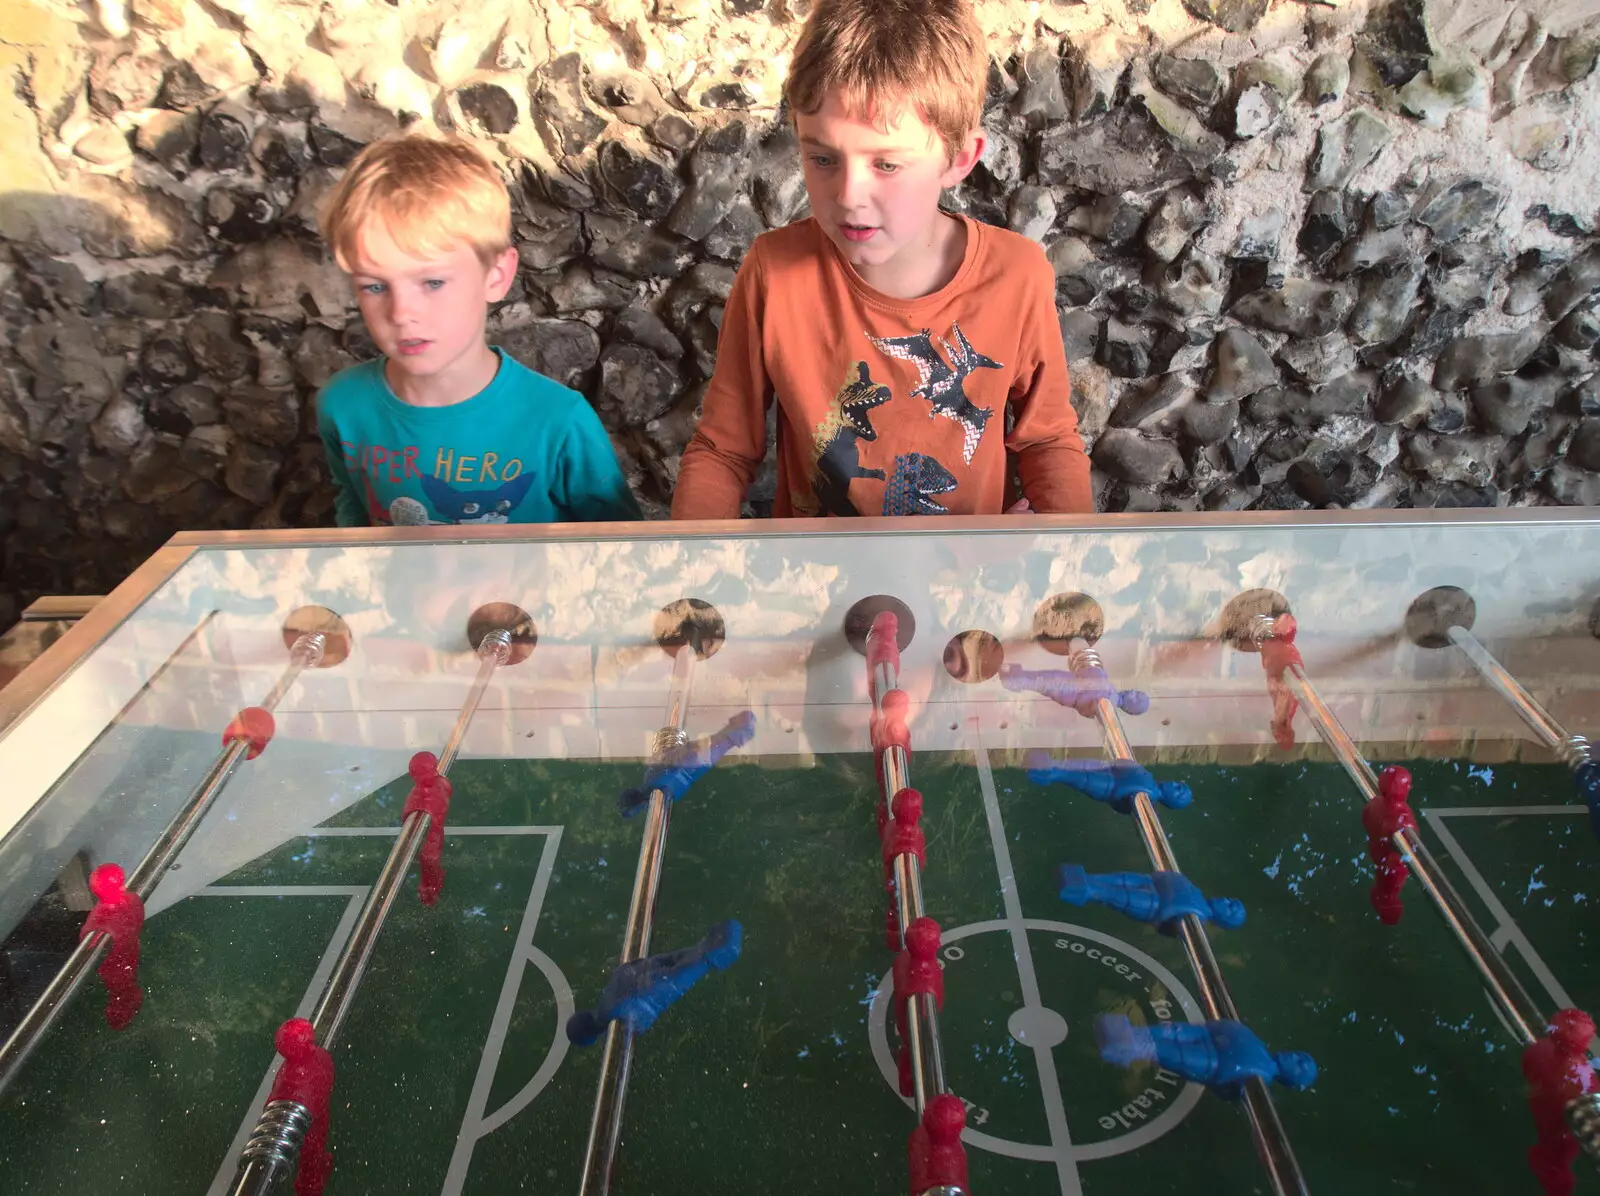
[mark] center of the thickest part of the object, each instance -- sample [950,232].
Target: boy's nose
[855,185]
[402,308]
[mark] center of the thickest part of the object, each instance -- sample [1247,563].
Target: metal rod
[1266,1128]
[274,1147]
[927,1079]
[884,677]
[907,891]
[923,1013]
[339,993]
[1507,992]
[932,1045]
[896,771]
[923,1042]
[493,651]
[616,1064]
[333,1006]
[142,881]
[1574,750]
[1504,988]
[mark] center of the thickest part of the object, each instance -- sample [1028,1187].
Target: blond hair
[429,193]
[878,56]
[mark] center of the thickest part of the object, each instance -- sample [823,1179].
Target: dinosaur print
[941,381]
[835,457]
[911,489]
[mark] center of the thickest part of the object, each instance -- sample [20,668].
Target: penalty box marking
[1507,931]
[475,1125]
[222,1181]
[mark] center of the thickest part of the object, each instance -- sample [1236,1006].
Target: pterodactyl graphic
[940,381]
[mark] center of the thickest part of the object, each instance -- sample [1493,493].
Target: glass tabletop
[1260,674]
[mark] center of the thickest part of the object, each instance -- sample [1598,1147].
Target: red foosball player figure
[253,726]
[1277,654]
[1558,1072]
[306,1078]
[903,835]
[430,794]
[934,1150]
[119,914]
[883,647]
[916,971]
[889,729]
[1384,816]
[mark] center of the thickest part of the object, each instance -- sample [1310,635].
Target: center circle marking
[1036,1026]
[1187,1008]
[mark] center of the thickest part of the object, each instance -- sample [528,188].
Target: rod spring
[1085,658]
[1583,1116]
[496,644]
[1262,628]
[308,649]
[278,1133]
[667,739]
[1576,752]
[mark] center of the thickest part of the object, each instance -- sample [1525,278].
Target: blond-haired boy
[442,428]
[908,350]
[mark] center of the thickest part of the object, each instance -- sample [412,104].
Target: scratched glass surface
[454,1072]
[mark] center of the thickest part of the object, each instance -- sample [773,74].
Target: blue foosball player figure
[1222,1055]
[1081,689]
[641,991]
[683,766]
[1113,782]
[1159,898]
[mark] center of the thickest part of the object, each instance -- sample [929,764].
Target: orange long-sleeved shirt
[888,406]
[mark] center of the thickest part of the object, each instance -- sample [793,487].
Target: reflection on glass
[454,1072]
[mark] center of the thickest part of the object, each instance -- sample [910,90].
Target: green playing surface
[451,1076]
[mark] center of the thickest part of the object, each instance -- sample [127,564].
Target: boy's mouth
[857,232]
[412,346]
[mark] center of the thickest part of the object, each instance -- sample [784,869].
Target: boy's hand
[1020,507]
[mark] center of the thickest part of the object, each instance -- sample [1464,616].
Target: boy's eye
[821,161]
[888,167]
[433,284]
[373,288]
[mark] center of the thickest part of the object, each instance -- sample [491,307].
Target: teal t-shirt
[524,449]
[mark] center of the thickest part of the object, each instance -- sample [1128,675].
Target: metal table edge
[36,681]
[883,525]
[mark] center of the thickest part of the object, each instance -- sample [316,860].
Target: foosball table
[1134,855]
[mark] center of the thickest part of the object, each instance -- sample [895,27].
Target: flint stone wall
[1308,254]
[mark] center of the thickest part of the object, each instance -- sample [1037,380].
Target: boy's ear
[502,273]
[965,159]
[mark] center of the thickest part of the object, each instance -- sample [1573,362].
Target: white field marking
[223,1180]
[1501,811]
[1506,931]
[474,1125]
[1188,1097]
[450,830]
[1055,1109]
